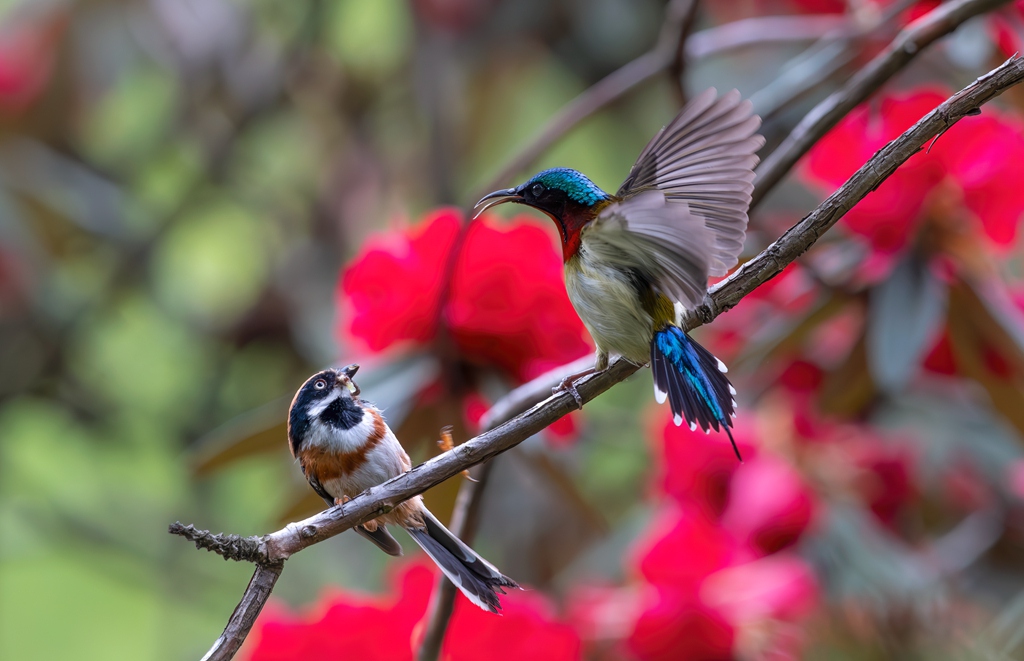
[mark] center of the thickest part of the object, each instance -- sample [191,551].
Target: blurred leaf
[1006,631]
[133,116]
[990,300]
[257,373]
[279,160]
[213,263]
[904,317]
[785,334]
[255,432]
[89,602]
[863,563]
[72,191]
[370,37]
[136,356]
[553,523]
[300,505]
[163,181]
[971,328]
[952,427]
[848,389]
[569,494]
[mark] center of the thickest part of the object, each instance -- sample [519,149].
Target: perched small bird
[344,447]
[636,259]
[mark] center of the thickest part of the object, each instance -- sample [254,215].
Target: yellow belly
[613,312]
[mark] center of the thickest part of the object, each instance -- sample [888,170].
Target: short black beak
[495,198]
[350,370]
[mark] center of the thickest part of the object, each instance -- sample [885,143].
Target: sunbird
[636,259]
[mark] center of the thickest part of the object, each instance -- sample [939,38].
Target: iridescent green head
[556,192]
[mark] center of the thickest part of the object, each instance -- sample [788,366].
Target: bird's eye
[537,190]
[320,384]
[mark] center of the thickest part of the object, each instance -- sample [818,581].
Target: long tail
[478,579]
[694,382]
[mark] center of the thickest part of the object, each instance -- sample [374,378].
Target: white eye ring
[320,384]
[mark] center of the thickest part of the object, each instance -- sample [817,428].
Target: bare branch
[677,68]
[908,43]
[760,30]
[230,547]
[248,609]
[279,546]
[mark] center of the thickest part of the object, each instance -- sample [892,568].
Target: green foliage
[371,38]
[131,118]
[213,264]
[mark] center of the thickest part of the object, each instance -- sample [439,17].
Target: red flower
[980,158]
[1005,29]
[697,467]
[769,505]
[506,305]
[887,484]
[762,600]
[677,627]
[940,359]
[781,586]
[685,547]
[525,629]
[345,626]
[391,289]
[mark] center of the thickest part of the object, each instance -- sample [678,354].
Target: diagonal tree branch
[908,43]
[270,551]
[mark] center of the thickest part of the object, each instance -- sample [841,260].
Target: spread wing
[660,237]
[706,157]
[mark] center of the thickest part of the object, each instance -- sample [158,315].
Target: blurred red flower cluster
[505,306]
[347,626]
[966,183]
[722,577]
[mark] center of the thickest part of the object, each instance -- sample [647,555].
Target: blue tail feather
[693,381]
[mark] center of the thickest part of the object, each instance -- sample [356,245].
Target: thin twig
[824,59]
[677,68]
[248,609]
[908,43]
[760,30]
[277,547]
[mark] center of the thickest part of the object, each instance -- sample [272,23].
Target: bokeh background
[204,201]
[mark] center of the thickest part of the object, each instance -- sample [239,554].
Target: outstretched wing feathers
[704,162]
[659,236]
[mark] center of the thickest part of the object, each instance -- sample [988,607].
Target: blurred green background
[180,183]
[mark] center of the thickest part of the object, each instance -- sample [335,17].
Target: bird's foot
[568,384]
[340,503]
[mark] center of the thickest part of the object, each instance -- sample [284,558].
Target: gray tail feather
[478,579]
[383,539]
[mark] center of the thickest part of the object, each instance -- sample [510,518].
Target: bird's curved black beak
[495,198]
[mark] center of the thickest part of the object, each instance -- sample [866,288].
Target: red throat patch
[570,227]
